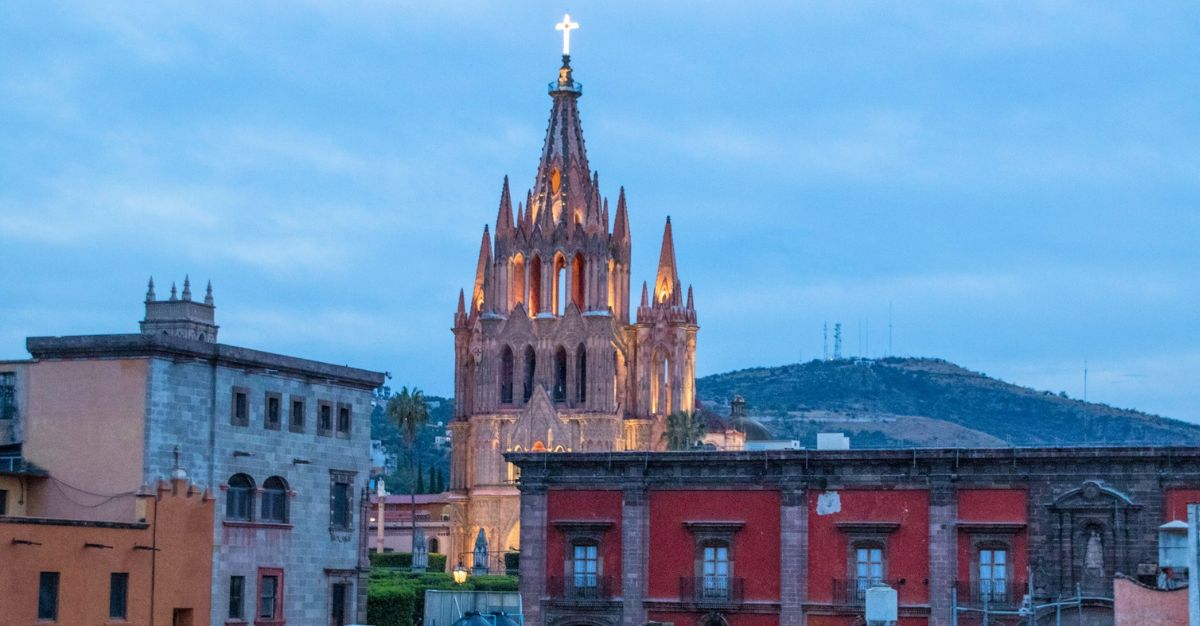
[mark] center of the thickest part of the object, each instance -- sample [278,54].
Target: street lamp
[459,573]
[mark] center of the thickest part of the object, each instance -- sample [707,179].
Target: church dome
[754,429]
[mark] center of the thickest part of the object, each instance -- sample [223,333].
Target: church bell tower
[546,357]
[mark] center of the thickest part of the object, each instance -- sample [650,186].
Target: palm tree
[683,430]
[408,411]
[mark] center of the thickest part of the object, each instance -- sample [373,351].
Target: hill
[902,402]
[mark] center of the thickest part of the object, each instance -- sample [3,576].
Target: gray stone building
[282,443]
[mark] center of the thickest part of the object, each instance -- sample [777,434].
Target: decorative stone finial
[187,288]
[208,298]
[173,296]
[150,290]
[177,472]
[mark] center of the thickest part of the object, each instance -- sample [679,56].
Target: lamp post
[459,573]
[379,498]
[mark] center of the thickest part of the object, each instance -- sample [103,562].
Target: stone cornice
[166,346]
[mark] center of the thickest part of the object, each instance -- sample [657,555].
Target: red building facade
[796,537]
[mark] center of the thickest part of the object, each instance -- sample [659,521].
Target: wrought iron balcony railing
[716,590]
[854,590]
[997,593]
[581,587]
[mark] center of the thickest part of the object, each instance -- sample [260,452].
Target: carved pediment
[570,325]
[1093,494]
[539,423]
[518,326]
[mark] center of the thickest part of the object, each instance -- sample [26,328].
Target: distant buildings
[433,517]
[282,443]
[797,537]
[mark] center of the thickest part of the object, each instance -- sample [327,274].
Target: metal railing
[854,590]
[581,587]
[719,590]
[996,593]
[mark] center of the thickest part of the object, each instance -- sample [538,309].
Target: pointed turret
[621,224]
[208,297]
[667,279]
[504,218]
[174,297]
[645,295]
[690,304]
[187,288]
[483,267]
[462,305]
[150,290]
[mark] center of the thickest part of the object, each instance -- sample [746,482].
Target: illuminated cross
[566,27]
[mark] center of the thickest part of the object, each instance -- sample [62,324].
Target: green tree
[420,478]
[408,411]
[684,430]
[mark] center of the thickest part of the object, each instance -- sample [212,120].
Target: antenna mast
[837,340]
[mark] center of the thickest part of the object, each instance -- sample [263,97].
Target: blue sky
[1019,181]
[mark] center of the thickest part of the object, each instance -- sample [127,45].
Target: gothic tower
[546,357]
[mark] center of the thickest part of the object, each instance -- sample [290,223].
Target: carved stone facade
[802,528]
[546,356]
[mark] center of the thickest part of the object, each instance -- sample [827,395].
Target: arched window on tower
[517,276]
[530,368]
[579,280]
[660,385]
[560,284]
[506,375]
[560,374]
[535,286]
[581,374]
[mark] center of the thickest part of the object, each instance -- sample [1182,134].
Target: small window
[270,595]
[3,502]
[868,568]
[241,407]
[8,395]
[272,420]
[239,498]
[48,596]
[274,501]
[343,420]
[993,574]
[585,565]
[297,423]
[118,595]
[237,597]
[714,569]
[325,419]
[339,505]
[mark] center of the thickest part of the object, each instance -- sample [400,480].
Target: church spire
[504,218]
[667,279]
[481,270]
[563,188]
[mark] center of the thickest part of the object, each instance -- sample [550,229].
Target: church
[546,355]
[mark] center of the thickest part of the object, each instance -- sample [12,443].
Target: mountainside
[898,402]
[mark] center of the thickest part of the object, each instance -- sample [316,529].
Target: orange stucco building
[150,572]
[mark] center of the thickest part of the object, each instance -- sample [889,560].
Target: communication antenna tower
[824,341]
[837,340]
[889,328]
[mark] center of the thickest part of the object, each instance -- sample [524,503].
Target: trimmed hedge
[397,598]
[403,560]
[392,604]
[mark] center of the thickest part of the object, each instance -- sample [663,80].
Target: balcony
[581,587]
[1000,594]
[711,590]
[853,591]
